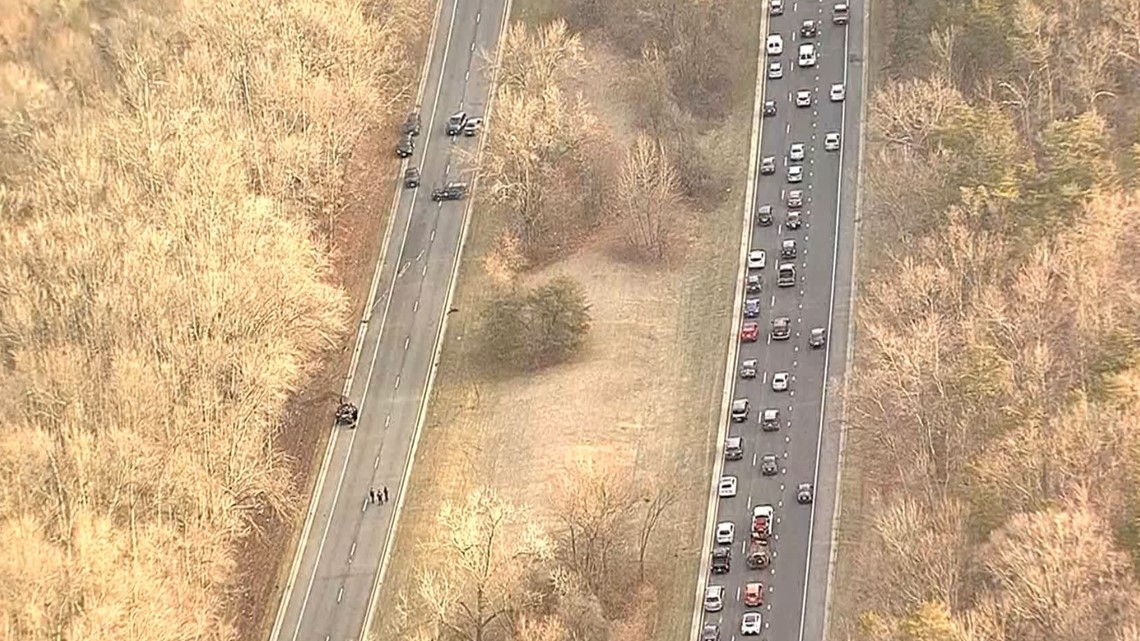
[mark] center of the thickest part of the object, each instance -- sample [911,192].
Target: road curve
[808,442]
[343,550]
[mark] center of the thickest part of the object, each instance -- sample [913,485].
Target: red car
[753,595]
[749,333]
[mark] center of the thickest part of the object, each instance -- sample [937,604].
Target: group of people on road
[378,496]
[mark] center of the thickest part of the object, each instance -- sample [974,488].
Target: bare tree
[661,494]
[595,505]
[647,200]
[485,549]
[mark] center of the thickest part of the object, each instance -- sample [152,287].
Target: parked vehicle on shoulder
[451,191]
[471,127]
[411,124]
[406,146]
[455,123]
[411,178]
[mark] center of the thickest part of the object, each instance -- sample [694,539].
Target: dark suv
[721,560]
[412,124]
[809,29]
[452,191]
[411,178]
[406,146]
[764,215]
[769,108]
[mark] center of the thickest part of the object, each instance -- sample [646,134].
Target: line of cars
[757,548]
[458,123]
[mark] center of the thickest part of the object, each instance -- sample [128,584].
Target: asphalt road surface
[344,546]
[807,446]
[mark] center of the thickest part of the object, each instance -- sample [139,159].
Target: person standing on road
[385,493]
[371,495]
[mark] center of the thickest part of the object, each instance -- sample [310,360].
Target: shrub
[529,329]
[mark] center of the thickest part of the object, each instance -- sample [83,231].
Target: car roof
[732,440]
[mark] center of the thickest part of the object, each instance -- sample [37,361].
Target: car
[792,219]
[831,141]
[724,532]
[740,408]
[726,489]
[795,173]
[769,465]
[775,45]
[710,632]
[780,381]
[749,333]
[817,338]
[721,560]
[764,215]
[785,275]
[795,199]
[809,28]
[838,92]
[451,191]
[748,368]
[714,598]
[807,55]
[750,624]
[751,307]
[839,13]
[411,178]
[804,493]
[788,248]
[796,151]
[471,127]
[455,123]
[803,98]
[769,108]
[406,146]
[411,124]
[775,71]
[770,419]
[776,8]
[753,284]
[733,448]
[781,328]
[767,165]
[757,259]
[754,594]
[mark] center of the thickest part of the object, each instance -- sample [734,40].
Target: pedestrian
[385,493]
[372,495]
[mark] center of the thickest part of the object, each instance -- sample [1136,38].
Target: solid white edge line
[441,332]
[733,339]
[830,323]
[362,331]
[831,562]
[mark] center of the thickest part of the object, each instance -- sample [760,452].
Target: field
[644,395]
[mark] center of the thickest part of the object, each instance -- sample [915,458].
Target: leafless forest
[168,173]
[995,410]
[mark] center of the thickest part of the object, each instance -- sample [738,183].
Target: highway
[343,551]
[807,446]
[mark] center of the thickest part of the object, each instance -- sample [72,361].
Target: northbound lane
[807,445]
[343,551]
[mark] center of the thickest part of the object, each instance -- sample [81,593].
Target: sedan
[788,248]
[751,308]
[796,151]
[809,29]
[757,259]
[725,532]
[769,108]
[792,219]
[803,98]
[764,215]
[753,284]
[776,8]
[748,368]
[831,141]
[775,71]
[795,173]
[804,493]
[780,381]
[838,92]
[749,333]
[750,624]
[769,465]
[754,594]
[817,338]
[795,199]
[714,598]
[727,487]
[775,45]
[768,165]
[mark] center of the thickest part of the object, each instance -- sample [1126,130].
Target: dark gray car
[769,465]
[751,308]
[764,215]
[406,146]
[453,191]
[411,178]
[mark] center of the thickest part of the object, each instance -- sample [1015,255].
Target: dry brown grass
[172,192]
[644,395]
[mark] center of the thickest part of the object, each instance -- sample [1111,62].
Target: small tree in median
[529,329]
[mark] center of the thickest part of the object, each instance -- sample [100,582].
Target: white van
[807,55]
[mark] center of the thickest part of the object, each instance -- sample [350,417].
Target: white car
[780,381]
[775,45]
[838,92]
[807,55]
[757,259]
[776,7]
[795,199]
[796,151]
[751,624]
[831,141]
[795,173]
[803,98]
[714,598]
[775,71]
[727,487]
[768,165]
[725,532]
